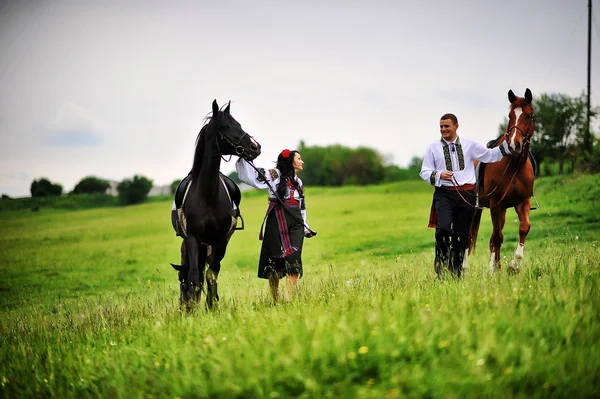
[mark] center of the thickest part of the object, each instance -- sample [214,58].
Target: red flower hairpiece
[285,153]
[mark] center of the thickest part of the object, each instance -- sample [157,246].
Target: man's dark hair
[450,116]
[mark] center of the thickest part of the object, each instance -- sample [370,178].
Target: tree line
[562,143]
[131,191]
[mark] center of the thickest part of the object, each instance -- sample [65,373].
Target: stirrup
[477,206]
[242,219]
[537,204]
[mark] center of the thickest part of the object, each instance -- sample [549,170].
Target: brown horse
[509,183]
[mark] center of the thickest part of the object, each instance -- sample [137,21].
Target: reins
[281,202]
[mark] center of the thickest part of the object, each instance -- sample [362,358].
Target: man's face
[448,129]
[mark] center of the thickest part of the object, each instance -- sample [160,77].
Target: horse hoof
[513,268]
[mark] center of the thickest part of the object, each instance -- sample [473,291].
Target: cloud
[74,138]
[73,126]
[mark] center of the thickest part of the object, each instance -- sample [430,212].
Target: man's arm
[490,155]
[428,172]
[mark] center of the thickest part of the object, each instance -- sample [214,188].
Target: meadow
[89,305]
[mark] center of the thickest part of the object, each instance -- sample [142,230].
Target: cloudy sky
[117,88]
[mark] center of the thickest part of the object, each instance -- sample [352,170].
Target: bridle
[238,148]
[527,133]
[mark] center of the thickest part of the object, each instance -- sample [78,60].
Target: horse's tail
[474,230]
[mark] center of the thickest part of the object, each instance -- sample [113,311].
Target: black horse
[208,216]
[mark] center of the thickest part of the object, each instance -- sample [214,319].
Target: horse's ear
[528,96]
[176,267]
[511,96]
[227,108]
[215,107]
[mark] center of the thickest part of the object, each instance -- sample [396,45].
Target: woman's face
[298,162]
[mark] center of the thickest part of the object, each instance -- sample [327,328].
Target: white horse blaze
[518,112]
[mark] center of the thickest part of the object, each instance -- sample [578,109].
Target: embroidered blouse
[441,156]
[248,175]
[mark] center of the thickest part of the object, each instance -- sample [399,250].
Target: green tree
[336,165]
[559,128]
[134,191]
[44,188]
[91,185]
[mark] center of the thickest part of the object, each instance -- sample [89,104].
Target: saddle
[178,217]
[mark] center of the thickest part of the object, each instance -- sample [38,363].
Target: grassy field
[89,305]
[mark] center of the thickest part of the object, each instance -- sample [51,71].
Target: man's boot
[442,254]
[457,256]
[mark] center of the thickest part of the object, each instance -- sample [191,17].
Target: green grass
[89,305]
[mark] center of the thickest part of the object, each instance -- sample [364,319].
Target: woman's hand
[309,233]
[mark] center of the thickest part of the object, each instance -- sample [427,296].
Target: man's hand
[446,175]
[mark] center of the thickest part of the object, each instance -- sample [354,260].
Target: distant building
[159,190]
[112,190]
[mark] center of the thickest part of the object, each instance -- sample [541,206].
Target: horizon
[116,89]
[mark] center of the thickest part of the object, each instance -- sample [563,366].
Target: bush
[91,185]
[44,188]
[134,191]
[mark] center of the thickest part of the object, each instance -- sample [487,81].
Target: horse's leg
[184,297]
[197,259]
[212,274]
[523,211]
[498,218]
[202,256]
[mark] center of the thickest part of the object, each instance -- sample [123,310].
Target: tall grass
[88,305]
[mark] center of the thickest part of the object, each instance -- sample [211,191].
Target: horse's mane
[200,144]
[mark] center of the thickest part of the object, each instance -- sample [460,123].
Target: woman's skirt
[273,260]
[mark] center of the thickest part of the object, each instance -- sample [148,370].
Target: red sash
[284,233]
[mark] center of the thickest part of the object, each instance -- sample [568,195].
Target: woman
[286,227]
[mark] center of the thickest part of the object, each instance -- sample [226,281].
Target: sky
[118,88]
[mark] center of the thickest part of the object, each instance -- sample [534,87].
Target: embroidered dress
[281,250]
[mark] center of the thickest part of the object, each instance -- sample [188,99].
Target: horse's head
[182,273]
[520,122]
[232,139]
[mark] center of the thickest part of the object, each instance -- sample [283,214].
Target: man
[448,165]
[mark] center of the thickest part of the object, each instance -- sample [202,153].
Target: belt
[465,187]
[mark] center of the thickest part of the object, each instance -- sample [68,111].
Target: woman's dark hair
[285,164]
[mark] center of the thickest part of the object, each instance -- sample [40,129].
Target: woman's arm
[250,176]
